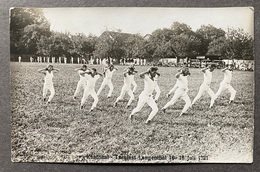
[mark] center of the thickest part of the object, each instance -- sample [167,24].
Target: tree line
[30,34]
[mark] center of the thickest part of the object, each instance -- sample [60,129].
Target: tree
[184,41]
[24,21]
[240,44]
[180,28]
[134,46]
[186,45]
[110,45]
[235,45]
[61,44]
[207,34]
[159,44]
[88,45]
[218,47]
[44,45]
[31,35]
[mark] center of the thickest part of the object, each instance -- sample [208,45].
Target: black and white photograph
[132,85]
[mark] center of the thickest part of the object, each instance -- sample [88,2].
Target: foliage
[27,25]
[179,41]
[235,45]
[240,44]
[185,41]
[30,34]
[135,47]
[110,45]
[207,34]
[159,44]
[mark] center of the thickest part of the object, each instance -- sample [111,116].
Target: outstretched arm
[82,73]
[179,69]
[178,74]
[125,69]
[77,69]
[55,70]
[86,72]
[43,71]
[99,74]
[143,73]
[125,72]
[204,69]
[223,70]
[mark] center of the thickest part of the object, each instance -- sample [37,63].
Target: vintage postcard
[132,85]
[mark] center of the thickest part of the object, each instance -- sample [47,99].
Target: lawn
[61,132]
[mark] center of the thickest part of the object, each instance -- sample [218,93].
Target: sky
[144,21]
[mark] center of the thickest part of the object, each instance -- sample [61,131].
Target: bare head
[111,67]
[230,67]
[49,67]
[84,67]
[132,65]
[212,67]
[185,71]
[131,70]
[93,71]
[153,70]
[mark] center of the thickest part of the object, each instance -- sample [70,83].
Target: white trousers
[87,92]
[50,87]
[158,92]
[180,93]
[107,82]
[222,87]
[80,87]
[126,89]
[143,99]
[135,86]
[204,88]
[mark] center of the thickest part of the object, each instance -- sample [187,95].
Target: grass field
[61,132]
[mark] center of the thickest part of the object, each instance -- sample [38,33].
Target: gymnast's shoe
[81,107]
[131,117]
[148,122]
[164,110]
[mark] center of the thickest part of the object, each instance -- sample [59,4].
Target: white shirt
[48,77]
[91,81]
[227,76]
[207,77]
[80,72]
[182,81]
[82,78]
[128,79]
[149,85]
[109,73]
[156,78]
